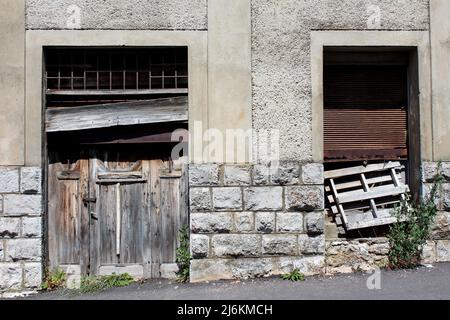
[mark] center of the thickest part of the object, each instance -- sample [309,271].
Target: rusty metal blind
[365,112]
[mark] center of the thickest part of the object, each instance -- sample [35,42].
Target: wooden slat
[357,183]
[339,206]
[120,175]
[371,223]
[366,189]
[365,207]
[116,114]
[332,174]
[375,193]
[396,182]
[114,181]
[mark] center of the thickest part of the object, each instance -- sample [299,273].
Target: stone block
[227,198]
[429,252]
[250,268]
[235,245]
[169,271]
[9,180]
[73,274]
[32,275]
[30,180]
[289,222]
[429,171]
[10,276]
[312,173]
[311,245]
[279,244]
[209,270]
[315,222]
[31,227]
[446,196]
[307,265]
[265,222]
[304,198]
[426,194]
[217,222]
[9,227]
[136,271]
[261,174]
[443,250]
[200,199]
[263,198]
[286,173]
[199,245]
[244,222]
[440,228]
[204,174]
[234,175]
[18,204]
[23,250]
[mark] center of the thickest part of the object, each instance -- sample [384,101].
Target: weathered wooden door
[116,211]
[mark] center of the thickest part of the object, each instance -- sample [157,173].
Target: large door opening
[371,131]
[116,198]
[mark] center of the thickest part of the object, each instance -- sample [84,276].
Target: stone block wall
[438,248]
[352,255]
[356,255]
[20,229]
[256,220]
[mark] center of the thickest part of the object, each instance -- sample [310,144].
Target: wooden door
[132,206]
[68,216]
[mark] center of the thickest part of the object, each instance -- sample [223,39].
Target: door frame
[416,40]
[38,40]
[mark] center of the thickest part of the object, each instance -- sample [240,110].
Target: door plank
[155,216]
[107,224]
[170,199]
[132,234]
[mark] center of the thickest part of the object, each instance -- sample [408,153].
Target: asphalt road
[419,284]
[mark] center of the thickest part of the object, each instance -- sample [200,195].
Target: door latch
[89,200]
[94,216]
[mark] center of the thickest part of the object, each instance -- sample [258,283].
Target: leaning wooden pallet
[363,196]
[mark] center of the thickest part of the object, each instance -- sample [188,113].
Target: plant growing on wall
[183,257]
[54,280]
[407,237]
[295,275]
[91,284]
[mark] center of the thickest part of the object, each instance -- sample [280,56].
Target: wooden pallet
[363,196]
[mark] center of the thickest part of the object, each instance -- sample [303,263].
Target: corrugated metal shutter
[365,114]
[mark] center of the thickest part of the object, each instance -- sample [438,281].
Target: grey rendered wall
[119,14]
[12,82]
[281,67]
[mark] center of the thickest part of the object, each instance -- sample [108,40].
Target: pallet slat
[375,193]
[361,169]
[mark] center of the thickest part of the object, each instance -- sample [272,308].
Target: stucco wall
[12,67]
[119,14]
[281,67]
